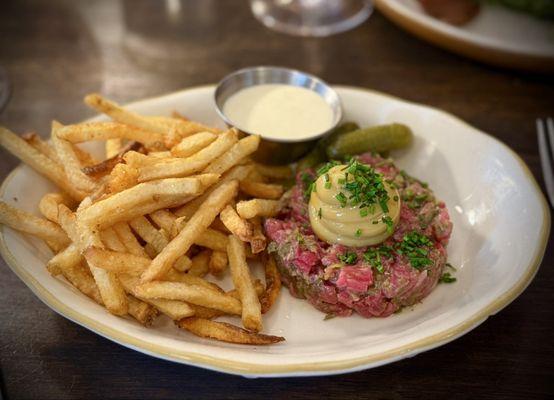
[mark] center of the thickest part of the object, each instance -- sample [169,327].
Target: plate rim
[306,368]
[502,57]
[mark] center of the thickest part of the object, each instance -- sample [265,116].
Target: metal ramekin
[277,151]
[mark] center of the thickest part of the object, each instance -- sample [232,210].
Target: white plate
[501,225]
[498,35]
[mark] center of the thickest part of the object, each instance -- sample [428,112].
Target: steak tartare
[374,281]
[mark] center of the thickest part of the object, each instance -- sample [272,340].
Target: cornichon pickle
[317,154]
[379,139]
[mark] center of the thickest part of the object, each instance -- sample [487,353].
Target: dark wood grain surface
[57,51]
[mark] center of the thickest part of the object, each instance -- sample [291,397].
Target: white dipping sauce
[279,111]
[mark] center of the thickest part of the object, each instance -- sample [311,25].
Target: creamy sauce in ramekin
[279,111]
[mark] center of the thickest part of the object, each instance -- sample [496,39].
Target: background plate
[501,224]
[497,35]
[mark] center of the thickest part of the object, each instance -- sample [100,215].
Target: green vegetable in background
[379,139]
[539,8]
[317,155]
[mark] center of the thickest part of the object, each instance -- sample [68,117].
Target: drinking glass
[311,17]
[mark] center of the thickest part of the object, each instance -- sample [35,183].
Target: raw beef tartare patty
[374,281]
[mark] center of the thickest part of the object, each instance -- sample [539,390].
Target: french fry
[193,144]
[235,224]
[218,225]
[105,167]
[241,149]
[111,240]
[213,240]
[258,208]
[122,177]
[172,308]
[194,294]
[49,203]
[164,219]
[111,291]
[174,276]
[225,332]
[65,259]
[70,162]
[251,308]
[85,158]
[141,311]
[45,148]
[187,166]
[218,262]
[272,283]
[33,225]
[113,147]
[184,128]
[117,262]
[239,173]
[262,190]
[200,264]
[39,162]
[258,241]
[148,196]
[94,131]
[79,276]
[274,172]
[130,241]
[192,230]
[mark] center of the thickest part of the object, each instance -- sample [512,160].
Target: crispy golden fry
[258,287]
[272,283]
[105,167]
[49,203]
[205,312]
[33,225]
[111,240]
[274,172]
[164,219]
[113,147]
[262,190]
[130,241]
[212,239]
[194,294]
[256,176]
[117,262]
[92,131]
[67,258]
[157,240]
[192,230]
[174,276]
[190,165]
[193,144]
[200,264]
[236,173]
[122,177]
[242,279]
[258,208]
[133,202]
[79,276]
[148,232]
[113,295]
[184,128]
[218,262]
[137,159]
[225,332]
[258,240]
[241,149]
[141,311]
[70,162]
[235,224]
[39,162]
[172,308]
[45,148]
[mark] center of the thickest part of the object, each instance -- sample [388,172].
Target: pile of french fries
[172,203]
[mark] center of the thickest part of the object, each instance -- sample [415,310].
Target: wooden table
[57,51]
